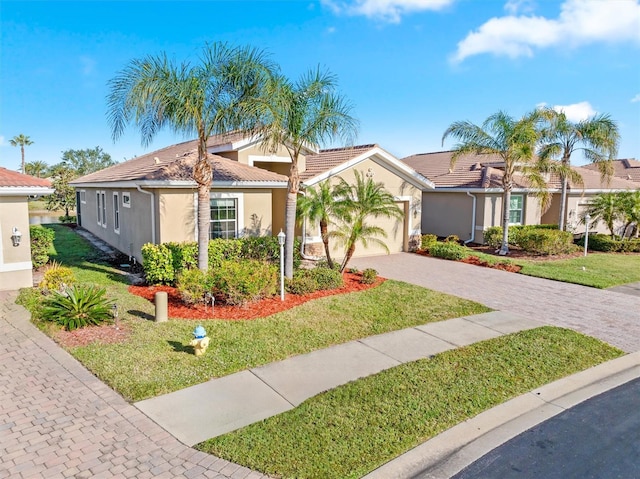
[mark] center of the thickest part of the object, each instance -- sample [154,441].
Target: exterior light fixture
[587,218]
[114,313]
[281,238]
[16,236]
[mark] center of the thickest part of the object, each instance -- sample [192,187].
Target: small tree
[630,206]
[360,202]
[21,141]
[64,196]
[86,161]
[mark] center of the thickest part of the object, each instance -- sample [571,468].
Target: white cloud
[636,98]
[387,10]
[331,30]
[87,65]
[577,111]
[580,22]
[513,7]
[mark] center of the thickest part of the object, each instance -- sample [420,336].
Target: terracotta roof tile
[326,160]
[628,169]
[10,178]
[175,163]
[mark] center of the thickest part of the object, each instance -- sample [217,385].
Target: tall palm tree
[596,137]
[511,140]
[21,141]
[202,99]
[318,205]
[36,168]
[605,207]
[301,115]
[360,202]
[631,211]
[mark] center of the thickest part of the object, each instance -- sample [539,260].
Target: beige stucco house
[468,198]
[152,198]
[15,259]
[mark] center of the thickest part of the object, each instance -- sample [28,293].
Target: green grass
[156,358]
[598,270]
[351,430]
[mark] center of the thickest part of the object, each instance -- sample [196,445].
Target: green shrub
[192,284]
[67,219]
[183,255]
[427,240]
[450,250]
[79,306]
[327,278]
[602,242]
[262,248]
[317,279]
[57,276]
[545,241]
[241,282]
[300,283]
[221,250]
[493,236]
[518,232]
[369,276]
[452,239]
[41,244]
[630,246]
[323,263]
[157,264]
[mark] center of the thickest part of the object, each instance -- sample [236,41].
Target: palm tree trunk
[204,215]
[22,151]
[563,203]
[350,250]
[325,239]
[506,202]
[290,217]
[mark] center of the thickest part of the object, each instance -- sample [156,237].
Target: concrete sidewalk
[222,405]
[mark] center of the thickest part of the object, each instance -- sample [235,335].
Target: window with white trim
[101,200]
[99,208]
[516,204]
[126,200]
[83,196]
[224,218]
[116,213]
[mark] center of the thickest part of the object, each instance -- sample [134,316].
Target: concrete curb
[451,451]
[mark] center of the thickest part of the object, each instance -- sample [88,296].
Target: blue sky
[410,67]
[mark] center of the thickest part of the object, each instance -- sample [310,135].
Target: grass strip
[351,430]
[598,270]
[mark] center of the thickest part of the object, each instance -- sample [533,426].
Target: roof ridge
[347,148]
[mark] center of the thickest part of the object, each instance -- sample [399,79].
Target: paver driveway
[608,315]
[58,420]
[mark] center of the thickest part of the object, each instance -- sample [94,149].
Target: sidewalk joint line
[271,387]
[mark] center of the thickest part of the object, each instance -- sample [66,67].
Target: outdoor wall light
[16,236]
[281,238]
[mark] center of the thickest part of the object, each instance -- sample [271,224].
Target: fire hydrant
[200,341]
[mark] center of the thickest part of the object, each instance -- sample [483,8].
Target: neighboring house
[152,198]
[15,260]
[468,199]
[626,169]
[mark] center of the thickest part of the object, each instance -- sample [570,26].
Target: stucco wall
[15,261]
[251,155]
[445,214]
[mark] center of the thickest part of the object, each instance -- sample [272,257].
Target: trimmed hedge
[164,263]
[241,282]
[450,250]
[537,239]
[320,278]
[41,243]
[607,244]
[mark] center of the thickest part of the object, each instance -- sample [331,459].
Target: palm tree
[299,116]
[359,202]
[36,168]
[203,99]
[21,141]
[319,205]
[631,211]
[597,138]
[605,207]
[511,140]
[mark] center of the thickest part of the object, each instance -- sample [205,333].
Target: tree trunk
[325,239]
[563,203]
[293,187]
[203,175]
[22,151]
[506,203]
[350,250]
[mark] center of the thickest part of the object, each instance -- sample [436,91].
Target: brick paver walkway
[58,420]
[608,315]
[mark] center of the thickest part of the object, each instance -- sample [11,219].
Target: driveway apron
[58,420]
[608,315]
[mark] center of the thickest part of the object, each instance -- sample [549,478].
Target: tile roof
[326,160]
[175,163]
[628,169]
[482,171]
[9,179]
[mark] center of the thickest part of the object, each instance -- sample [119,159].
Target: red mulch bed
[259,309]
[105,334]
[474,260]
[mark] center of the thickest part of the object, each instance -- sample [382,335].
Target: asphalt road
[599,439]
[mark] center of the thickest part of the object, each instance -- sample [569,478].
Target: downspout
[473,219]
[153,212]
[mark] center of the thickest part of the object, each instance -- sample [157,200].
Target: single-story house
[15,243]
[626,169]
[468,198]
[152,198]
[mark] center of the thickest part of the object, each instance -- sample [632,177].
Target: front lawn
[598,270]
[353,429]
[155,357]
